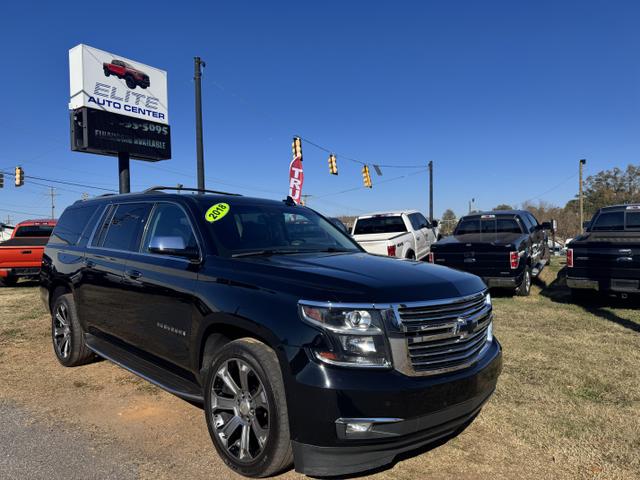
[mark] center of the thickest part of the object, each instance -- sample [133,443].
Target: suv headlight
[355,336]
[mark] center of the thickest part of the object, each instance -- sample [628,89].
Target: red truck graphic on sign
[132,76]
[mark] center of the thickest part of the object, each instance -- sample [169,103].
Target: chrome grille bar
[443,336]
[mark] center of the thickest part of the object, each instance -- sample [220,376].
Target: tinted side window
[609,221]
[422,220]
[415,221]
[170,220]
[71,225]
[525,219]
[125,227]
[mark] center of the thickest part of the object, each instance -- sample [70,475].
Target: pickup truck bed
[21,256]
[506,258]
[606,261]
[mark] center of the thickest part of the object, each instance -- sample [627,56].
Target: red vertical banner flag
[296,174]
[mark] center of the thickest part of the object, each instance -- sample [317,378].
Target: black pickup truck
[606,257]
[507,248]
[301,346]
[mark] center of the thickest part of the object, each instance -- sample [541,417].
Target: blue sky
[503,96]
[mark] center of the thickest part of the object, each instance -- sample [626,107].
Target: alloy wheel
[240,410]
[62,331]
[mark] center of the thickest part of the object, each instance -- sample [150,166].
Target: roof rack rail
[161,188]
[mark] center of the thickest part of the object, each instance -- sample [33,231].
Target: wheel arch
[218,334]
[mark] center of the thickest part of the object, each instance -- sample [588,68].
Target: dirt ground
[567,405]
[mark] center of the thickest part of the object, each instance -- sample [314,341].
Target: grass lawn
[567,404]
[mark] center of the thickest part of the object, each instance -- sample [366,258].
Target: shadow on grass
[557,291]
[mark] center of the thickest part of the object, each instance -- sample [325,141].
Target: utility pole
[198,64]
[124,174]
[431,191]
[53,194]
[582,162]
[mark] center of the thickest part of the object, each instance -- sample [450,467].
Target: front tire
[246,409]
[525,287]
[67,335]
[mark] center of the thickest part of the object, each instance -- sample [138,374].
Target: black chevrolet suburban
[606,258]
[507,248]
[301,347]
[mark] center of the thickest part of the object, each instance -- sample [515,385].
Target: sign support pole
[198,63]
[123,170]
[431,191]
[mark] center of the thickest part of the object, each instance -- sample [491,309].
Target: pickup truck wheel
[246,409]
[67,335]
[525,287]
[411,256]
[107,72]
[131,83]
[582,295]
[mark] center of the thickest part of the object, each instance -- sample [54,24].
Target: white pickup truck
[402,234]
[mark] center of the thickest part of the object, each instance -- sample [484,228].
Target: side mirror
[435,224]
[585,225]
[546,226]
[172,246]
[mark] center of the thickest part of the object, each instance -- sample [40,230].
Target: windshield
[33,231]
[365,226]
[488,225]
[247,229]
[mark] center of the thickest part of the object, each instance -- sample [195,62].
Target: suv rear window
[71,225]
[371,225]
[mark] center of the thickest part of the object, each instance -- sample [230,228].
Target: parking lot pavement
[32,449]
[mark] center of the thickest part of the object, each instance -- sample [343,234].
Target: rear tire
[411,256]
[107,72]
[66,333]
[525,287]
[246,409]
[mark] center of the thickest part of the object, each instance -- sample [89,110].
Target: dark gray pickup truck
[606,257]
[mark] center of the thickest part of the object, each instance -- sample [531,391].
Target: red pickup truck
[21,255]
[132,76]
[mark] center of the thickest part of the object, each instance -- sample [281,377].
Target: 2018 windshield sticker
[216,212]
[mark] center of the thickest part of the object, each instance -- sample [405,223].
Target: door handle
[624,259]
[133,274]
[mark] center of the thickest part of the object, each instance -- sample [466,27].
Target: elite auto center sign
[110,82]
[117,105]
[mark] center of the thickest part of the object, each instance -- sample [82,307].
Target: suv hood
[355,277]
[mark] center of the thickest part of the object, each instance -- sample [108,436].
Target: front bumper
[423,410]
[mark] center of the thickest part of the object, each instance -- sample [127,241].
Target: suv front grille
[445,336]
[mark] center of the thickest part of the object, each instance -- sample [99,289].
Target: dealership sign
[112,83]
[117,106]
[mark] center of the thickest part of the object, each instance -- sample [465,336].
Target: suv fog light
[359,427]
[490,332]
